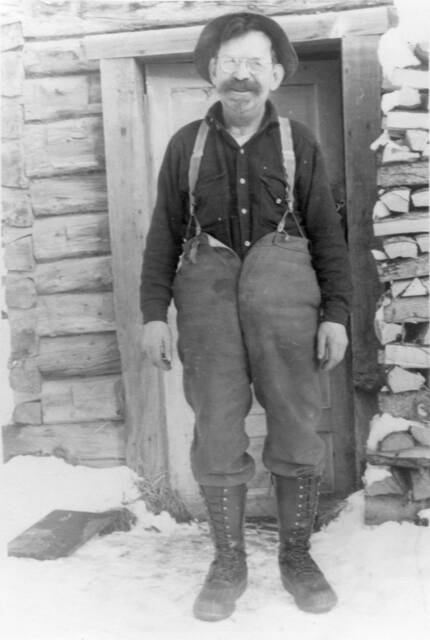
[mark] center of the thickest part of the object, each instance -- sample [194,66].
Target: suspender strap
[289,161]
[193,170]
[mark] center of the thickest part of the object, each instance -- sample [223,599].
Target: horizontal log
[27,413]
[56,57]
[75,313]
[64,146]
[417,222]
[16,204]
[86,355]
[409,356]
[129,16]
[380,509]
[404,309]
[402,269]
[74,274]
[407,120]
[413,405]
[403,174]
[69,194]
[20,292]
[60,97]
[68,236]
[82,400]
[95,444]
[182,40]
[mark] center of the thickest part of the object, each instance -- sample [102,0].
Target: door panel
[176,96]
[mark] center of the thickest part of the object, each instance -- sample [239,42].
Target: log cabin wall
[65,369]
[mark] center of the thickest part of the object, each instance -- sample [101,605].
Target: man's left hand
[331,344]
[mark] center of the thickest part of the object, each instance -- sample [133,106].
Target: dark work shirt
[240,197]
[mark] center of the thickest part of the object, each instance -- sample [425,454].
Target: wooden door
[176,96]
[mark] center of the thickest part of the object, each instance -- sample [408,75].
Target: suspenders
[288,158]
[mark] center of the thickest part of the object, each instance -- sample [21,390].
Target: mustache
[240,85]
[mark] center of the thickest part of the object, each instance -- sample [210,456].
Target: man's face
[244,73]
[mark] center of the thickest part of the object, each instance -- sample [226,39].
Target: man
[254,306]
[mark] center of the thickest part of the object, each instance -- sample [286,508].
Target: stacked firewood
[397,479]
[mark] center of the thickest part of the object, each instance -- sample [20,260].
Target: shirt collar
[214,117]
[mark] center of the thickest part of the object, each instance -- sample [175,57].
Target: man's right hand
[157,344]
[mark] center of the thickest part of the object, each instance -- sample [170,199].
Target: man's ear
[212,69]
[277,76]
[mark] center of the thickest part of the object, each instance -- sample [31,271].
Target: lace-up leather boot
[297,499]
[227,577]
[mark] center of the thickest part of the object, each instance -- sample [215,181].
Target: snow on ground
[140,585]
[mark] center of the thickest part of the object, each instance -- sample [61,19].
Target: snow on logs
[397,477]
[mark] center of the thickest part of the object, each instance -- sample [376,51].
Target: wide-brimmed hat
[210,40]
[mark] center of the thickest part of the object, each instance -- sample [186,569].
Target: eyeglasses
[254,65]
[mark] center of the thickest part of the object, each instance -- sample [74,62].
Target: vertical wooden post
[129,216]
[361,90]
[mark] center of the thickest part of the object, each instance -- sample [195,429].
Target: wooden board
[60,97]
[61,532]
[94,444]
[75,274]
[417,222]
[82,355]
[68,236]
[75,313]
[407,355]
[361,86]
[129,215]
[82,400]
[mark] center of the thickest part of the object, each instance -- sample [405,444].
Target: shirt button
[278,200]
[247,243]
[244,211]
[242,181]
[241,151]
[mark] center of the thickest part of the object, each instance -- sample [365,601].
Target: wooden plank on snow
[61,532]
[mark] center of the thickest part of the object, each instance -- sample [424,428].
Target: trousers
[242,323]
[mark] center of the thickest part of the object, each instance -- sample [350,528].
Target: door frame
[128,165]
